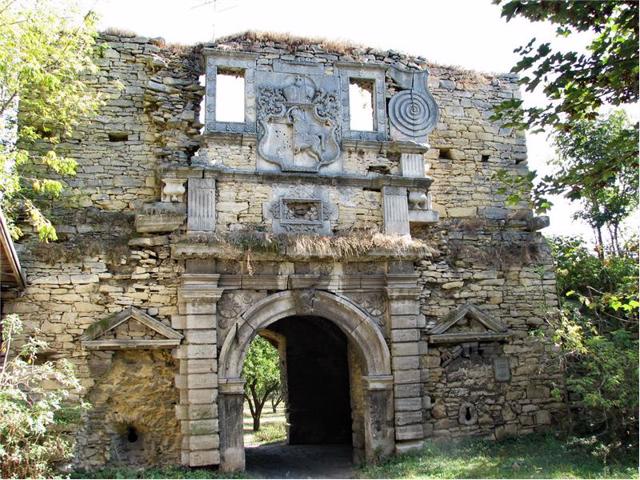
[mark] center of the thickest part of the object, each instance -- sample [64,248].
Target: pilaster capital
[402,293]
[378,382]
[231,386]
[201,287]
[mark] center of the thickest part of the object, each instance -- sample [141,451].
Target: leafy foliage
[261,371]
[33,416]
[44,56]
[596,165]
[598,333]
[576,84]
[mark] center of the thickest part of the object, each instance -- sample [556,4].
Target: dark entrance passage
[319,410]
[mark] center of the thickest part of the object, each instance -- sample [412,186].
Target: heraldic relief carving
[298,121]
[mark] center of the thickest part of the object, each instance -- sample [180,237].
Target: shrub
[598,333]
[32,424]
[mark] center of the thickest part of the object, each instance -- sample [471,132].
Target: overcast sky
[468,33]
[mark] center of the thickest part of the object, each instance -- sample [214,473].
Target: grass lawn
[527,457]
[272,426]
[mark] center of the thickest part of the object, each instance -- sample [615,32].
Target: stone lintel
[204,281]
[445,338]
[126,344]
[232,54]
[378,382]
[192,248]
[373,180]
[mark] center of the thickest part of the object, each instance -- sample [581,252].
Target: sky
[466,33]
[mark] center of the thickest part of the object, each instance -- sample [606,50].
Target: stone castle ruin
[402,292]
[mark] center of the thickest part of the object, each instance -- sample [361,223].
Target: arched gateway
[423,285]
[361,332]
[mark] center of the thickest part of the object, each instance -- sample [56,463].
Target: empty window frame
[229,94]
[361,104]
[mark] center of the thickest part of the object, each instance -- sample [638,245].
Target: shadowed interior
[318,381]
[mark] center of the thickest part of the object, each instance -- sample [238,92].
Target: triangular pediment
[131,328]
[468,324]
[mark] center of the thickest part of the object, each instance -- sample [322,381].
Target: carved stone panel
[202,205]
[502,369]
[375,306]
[231,305]
[300,209]
[413,112]
[298,120]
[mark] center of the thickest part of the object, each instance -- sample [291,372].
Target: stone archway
[360,330]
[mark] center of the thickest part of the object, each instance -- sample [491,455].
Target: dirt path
[299,461]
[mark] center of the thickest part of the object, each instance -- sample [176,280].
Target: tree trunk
[256,419]
[600,246]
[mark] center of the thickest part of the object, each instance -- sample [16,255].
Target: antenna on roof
[218,6]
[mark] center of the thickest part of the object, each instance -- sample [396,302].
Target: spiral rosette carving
[412,113]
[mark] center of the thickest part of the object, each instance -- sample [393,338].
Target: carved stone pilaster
[396,211]
[406,321]
[412,165]
[231,439]
[202,205]
[198,379]
[378,417]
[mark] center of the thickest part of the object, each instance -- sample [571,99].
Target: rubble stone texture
[186,225]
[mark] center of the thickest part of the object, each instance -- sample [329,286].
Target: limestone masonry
[182,241]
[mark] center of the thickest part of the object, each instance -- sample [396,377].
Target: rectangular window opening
[230,95]
[361,93]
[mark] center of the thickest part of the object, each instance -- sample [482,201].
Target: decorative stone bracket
[402,206]
[91,338]
[495,329]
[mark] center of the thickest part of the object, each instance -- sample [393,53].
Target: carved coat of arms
[298,125]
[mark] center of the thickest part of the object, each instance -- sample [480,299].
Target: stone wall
[483,253]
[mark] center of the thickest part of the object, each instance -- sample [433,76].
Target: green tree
[576,84]
[597,165]
[261,371]
[45,52]
[33,418]
[598,334]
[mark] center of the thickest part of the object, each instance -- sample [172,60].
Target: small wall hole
[468,414]
[118,137]
[445,153]
[485,158]
[132,434]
